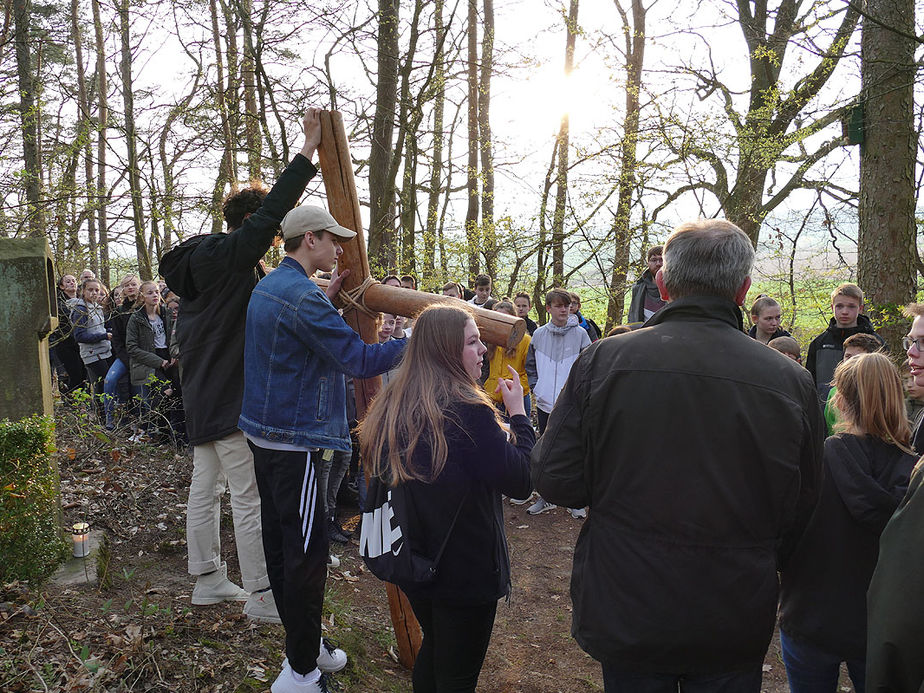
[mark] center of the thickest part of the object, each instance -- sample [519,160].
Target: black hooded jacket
[823,595]
[214,276]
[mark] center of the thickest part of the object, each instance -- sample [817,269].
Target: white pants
[220,465]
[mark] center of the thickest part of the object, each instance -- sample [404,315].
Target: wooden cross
[496,328]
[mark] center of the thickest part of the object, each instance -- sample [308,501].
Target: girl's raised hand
[512,393]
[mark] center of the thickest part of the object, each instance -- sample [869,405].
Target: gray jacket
[551,353]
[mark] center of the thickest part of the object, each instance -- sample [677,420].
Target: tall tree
[84,138]
[634,39]
[410,115]
[778,122]
[101,201]
[486,144]
[885,247]
[248,77]
[29,117]
[382,246]
[131,142]
[226,172]
[436,165]
[563,145]
[472,235]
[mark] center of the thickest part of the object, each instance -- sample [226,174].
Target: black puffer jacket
[698,450]
[823,597]
[827,350]
[214,276]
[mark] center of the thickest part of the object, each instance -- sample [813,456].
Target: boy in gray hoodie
[553,349]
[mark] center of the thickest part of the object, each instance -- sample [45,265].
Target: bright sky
[529,98]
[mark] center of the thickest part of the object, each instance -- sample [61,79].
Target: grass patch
[365,640]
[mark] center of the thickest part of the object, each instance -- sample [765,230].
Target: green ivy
[31,541]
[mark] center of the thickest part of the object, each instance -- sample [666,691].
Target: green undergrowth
[31,540]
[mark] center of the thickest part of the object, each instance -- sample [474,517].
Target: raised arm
[242,248]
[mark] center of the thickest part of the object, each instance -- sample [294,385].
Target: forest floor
[134,629]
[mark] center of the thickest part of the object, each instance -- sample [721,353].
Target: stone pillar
[28,314]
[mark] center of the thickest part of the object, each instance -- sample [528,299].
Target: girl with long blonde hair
[867,467]
[435,430]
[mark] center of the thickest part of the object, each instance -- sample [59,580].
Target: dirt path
[138,631]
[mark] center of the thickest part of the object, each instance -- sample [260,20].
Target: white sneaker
[330,658]
[540,506]
[333,561]
[216,587]
[578,513]
[286,683]
[521,501]
[261,607]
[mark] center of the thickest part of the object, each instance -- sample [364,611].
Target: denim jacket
[297,349]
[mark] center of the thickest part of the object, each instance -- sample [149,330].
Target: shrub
[31,541]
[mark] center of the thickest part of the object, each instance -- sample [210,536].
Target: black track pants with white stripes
[296,547]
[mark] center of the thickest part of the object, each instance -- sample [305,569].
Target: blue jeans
[615,681]
[811,670]
[116,372]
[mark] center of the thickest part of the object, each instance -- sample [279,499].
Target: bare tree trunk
[381,204]
[85,145]
[486,144]
[134,176]
[226,170]
[433,198]
[167,163]
[885,247]
[65,220]
[267,103]
[634,33]
[561,180]
[29,118]
[471,213]
[447,192]
[233,75]
[248,76]
[541,262]
[102,193]
[409,206]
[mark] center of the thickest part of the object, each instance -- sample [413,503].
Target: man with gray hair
[698,451]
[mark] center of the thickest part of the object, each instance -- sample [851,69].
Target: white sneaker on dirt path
[286,683]
[216,587]
[578,513]
[261,607]
[521,501]
[333,561]
[330,658]
[540,506]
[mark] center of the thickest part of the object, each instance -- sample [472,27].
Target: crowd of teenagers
[713,501]
[119,347]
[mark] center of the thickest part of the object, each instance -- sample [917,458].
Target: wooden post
[496,328]
[343,204]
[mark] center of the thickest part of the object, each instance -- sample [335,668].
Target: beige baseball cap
[301,220]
